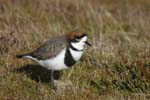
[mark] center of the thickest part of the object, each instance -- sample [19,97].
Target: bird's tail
[21,56]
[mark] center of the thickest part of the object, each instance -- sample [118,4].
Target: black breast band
[69,60]
[75,49]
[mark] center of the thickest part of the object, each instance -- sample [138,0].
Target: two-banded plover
[60,52]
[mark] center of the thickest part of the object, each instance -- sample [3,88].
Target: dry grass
[118,68]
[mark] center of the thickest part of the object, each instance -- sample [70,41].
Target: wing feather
[50,49]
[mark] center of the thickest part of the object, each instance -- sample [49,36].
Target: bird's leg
[52,78]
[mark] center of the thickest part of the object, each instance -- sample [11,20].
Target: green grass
[117,68]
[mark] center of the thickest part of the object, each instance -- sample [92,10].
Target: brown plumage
[73,34]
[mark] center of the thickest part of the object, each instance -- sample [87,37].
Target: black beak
[88,43]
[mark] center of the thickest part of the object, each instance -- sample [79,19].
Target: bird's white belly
[56,63]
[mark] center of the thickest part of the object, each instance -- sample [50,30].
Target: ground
[116,68]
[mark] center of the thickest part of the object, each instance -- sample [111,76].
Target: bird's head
[78,38]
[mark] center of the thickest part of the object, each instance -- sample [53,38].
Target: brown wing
[50,49]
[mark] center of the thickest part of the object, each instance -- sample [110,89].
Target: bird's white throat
[79,46]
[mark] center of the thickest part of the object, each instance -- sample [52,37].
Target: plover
[59,52]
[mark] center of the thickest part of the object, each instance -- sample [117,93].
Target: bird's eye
[78,37]
[84,34]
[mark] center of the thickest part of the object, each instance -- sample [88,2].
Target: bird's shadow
[37,73]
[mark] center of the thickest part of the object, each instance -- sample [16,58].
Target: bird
[60,52]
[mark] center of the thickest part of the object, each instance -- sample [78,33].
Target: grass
[118,68]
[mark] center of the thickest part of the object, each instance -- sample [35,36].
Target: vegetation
[116,68]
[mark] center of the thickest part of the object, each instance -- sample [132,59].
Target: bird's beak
[88,43]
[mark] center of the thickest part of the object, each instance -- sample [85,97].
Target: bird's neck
[77,46]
